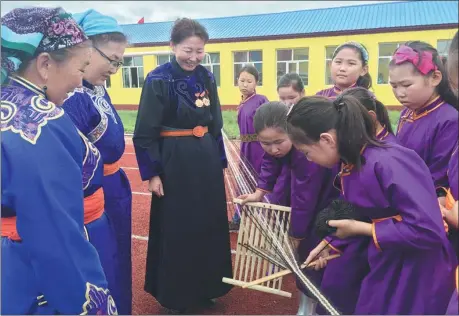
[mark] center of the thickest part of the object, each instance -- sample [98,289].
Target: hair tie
[338,104]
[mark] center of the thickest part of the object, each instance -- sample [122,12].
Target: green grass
[128,117]
[229,121]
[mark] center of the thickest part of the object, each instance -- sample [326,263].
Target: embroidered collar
[382,133]
[428,108]
[29,85]
[338,90]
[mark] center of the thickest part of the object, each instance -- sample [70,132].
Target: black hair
[102,39]
[452,61]
[291,80]
[249,68]
[185,28]
[364,81]
[271,115]
[59,55]
[443,89]
[369,101]
[315,115]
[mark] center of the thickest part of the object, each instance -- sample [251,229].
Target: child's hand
[349,227]
[257,196]
[318,254]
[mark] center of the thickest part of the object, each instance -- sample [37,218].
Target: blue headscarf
[95,23]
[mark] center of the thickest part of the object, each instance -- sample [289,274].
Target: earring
[45,88]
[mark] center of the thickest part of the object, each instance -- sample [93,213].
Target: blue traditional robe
[52,268]
[91,110]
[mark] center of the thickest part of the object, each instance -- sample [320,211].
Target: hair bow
[422,61]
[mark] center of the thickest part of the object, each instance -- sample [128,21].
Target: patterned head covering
[95,23]
[29,32]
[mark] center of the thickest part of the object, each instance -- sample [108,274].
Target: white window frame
[248,62]
[128,68]
[207,62]
[328,61]
[162,55]
[292,61]
[105,83]
[444,54]
[388,58]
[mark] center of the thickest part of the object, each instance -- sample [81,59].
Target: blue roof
[338,19]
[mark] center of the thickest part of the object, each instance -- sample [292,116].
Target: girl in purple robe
[311,186]
[92,111]
[343,276]
[411,261]
[251,151]
[450,208]
[349,68]
[429,122]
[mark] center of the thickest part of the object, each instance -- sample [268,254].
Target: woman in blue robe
[92,111]
[48,265]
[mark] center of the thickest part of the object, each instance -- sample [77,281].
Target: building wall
[229,94]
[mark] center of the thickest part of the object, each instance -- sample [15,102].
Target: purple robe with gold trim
[343,276]
[250,148]
[432,133]
[311,191]
[410,258]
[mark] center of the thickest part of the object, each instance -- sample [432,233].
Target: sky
[157,11]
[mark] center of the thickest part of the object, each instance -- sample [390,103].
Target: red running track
[237,302]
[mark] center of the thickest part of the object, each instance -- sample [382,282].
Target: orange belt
[93,209]
[449,200]
[94,206]
[9,228]
[111,168]
[398,218]
[198,131]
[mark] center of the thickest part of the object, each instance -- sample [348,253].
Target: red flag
[141,21]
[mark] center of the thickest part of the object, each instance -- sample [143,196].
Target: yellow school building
[298,41]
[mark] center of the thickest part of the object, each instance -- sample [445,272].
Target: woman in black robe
[180,151]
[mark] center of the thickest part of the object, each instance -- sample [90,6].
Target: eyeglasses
[114,63]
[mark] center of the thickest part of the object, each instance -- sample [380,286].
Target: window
[133,72]
[329,50]
[293,60]
[162,59]
[386,50]
[443,47]
[212,63]
[254,57]
[108,83]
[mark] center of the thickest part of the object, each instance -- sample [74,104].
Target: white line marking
[140,237]
[140,193]
[146,239]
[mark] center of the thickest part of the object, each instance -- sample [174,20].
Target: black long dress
[189,246]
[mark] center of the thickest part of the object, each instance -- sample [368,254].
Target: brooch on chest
[202,99]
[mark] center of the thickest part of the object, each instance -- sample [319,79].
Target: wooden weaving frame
[249,266]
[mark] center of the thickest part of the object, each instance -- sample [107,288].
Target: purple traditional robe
[250,148]
[342,285]
[453,307]
[432,133]
[453,173]
[332,92]
[411,260]
[311,191]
